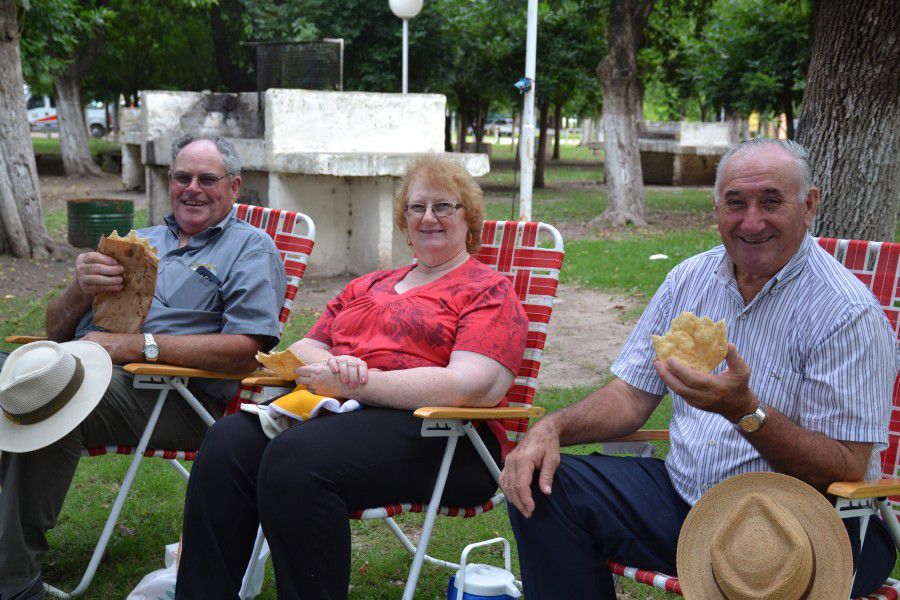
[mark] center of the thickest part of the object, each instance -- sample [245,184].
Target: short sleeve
[321,331]
[849,378]
[634,365]
[253,294]
[494,324]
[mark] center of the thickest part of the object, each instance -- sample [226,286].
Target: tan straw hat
[764,536]
[48,389]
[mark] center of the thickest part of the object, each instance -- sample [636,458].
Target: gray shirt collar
[202,238]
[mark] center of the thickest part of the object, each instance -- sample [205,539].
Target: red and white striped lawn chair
[512,248]
[876,265]
[294,235]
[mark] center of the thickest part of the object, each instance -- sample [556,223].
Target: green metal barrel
[90,218]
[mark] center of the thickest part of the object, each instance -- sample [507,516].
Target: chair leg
[179,385]
[407,543]
[430,515]
[118,504]
[890,520]
[185,474]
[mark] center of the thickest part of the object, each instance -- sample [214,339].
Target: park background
[760,65]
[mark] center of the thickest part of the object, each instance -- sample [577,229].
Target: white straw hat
[764,536]
[48,389]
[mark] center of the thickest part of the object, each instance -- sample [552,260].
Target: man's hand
[538,451]
[727,393]
[122,347]
[96,272]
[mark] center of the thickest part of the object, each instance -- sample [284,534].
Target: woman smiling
[444,331]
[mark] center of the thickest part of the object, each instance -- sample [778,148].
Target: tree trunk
[541,151]
[788,108]
[73,138]
[20,206]
[618,75]
[228,47]
[557,119]
[462,124]
[448,133]
[850,118]
[477,117]
[15,237]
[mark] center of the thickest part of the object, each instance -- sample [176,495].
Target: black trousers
[626,509]
[301,486]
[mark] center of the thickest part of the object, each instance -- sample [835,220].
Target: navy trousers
[625,509]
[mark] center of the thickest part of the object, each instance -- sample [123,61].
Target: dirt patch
[587,331]
[56,190]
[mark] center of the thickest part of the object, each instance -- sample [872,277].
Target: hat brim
[826,531]
[97,375]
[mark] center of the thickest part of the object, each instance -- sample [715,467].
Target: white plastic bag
[159,585]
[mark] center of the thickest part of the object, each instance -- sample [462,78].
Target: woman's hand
[326,379]
[353,372]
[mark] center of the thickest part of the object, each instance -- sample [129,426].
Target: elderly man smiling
[804,390]
[218,294]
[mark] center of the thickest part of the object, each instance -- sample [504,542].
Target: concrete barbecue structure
[336,156]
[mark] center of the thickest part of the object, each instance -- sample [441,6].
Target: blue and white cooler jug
[483,582]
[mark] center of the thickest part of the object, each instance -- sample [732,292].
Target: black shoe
[34,590]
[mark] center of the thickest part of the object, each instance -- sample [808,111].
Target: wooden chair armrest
[644,435]
[872,488]
[267,379]
[172,371]
[23,339]
[479,414]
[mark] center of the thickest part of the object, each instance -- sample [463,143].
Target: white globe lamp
[405,10]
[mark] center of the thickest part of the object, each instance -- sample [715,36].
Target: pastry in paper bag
[125,311]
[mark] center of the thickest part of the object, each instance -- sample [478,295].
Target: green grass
[625,265]
[51,145]
[567,152]
[554,206]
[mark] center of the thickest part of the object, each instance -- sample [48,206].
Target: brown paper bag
[125,311]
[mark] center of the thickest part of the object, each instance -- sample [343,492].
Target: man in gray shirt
[219,290]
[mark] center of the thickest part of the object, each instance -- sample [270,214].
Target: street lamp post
[526,133]
[405,10]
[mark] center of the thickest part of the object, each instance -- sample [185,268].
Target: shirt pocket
[184,288]
[777,385]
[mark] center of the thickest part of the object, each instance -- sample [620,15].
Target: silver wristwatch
[151,349]
[752,422]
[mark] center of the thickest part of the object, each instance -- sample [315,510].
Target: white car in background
[42,115]
[498,126]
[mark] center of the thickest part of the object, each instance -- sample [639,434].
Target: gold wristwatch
[752,422]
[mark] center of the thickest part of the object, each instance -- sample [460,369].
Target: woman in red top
[445,331]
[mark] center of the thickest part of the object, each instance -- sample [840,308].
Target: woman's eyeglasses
[439,209]
[206,180]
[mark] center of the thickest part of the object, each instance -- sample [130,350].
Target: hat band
[809,585]
[55,404]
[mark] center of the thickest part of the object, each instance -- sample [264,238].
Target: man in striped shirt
[805,390]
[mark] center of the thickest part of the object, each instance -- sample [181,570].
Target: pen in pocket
[207,274]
